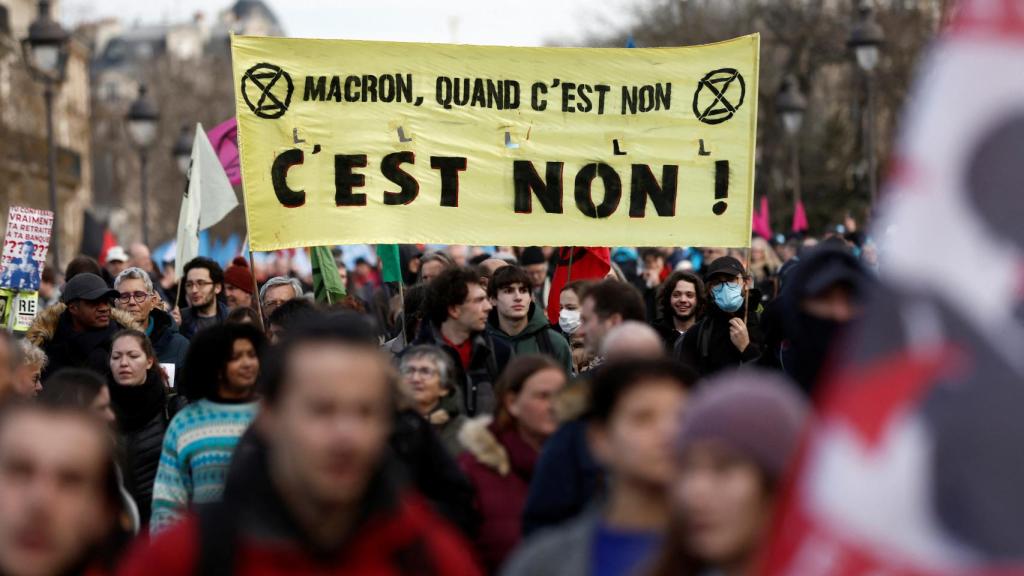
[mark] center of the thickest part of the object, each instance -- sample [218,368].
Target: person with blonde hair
[28,372]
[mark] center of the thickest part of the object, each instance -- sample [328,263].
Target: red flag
[800,217]
[914,466]
[762,225]
[224,139]
[577,264]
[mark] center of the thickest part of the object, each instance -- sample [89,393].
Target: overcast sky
[513,23]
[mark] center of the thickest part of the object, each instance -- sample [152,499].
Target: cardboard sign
[25,246]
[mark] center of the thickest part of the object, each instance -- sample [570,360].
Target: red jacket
[381,547]
[499,465]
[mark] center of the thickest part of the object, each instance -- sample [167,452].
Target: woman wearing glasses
[428,386]
[137,297]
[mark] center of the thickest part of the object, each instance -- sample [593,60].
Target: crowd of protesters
[225,423]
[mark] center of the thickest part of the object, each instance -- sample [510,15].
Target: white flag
[208,199]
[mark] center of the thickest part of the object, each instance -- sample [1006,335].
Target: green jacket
[537,338]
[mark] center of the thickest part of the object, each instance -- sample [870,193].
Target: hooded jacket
[52,332]
[537,338]
[487,362]
[169,344]
[707,346]
[499,465]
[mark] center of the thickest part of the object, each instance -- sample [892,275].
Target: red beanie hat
[239,276]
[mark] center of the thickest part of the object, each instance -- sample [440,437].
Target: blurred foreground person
[321,496]
[739,433]
[568,476]
[220,375]
[826,294]
[501,453]
[60,499]
[634,416]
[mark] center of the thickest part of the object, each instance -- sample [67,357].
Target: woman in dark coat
[501,452]
[139,398]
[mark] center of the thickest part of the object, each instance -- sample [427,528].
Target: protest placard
[26,243]
[381,142]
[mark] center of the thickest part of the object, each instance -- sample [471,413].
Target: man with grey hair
[137,297]
[632,340]
[277,291]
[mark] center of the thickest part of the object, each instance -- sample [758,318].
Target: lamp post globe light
[865,41]
[143,122]
[182,150]
[45,51]
[790,104]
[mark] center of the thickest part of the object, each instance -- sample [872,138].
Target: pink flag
[224,138]
[800,218]
[762,225]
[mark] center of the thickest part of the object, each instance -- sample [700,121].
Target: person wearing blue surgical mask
[729,335]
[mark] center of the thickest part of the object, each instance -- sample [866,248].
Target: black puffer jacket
[142,456]
[143,413]
[707,347]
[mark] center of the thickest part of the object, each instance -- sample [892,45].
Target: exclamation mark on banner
[721,187]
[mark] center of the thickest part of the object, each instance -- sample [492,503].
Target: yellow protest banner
[382,142]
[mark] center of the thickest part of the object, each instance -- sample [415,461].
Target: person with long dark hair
[502,452]
[219,378]
[139,398]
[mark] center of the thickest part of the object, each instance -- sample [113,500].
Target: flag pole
[746,301]
[405,326]
[568,273]
[256,291]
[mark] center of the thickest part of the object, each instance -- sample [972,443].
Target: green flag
[390,264]
[327,286]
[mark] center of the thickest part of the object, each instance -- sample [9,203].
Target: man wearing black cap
[77,332]
[729,334]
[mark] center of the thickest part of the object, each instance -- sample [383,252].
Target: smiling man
[680,304]
[517,321]
[77,333]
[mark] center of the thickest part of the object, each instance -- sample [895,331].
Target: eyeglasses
[197,284]
[422,371]
[138,296]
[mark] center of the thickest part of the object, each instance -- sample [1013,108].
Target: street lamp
[182,151]
[143,121]
[866,39]
[45,50]
[791,105]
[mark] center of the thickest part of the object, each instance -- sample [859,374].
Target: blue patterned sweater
[195,459]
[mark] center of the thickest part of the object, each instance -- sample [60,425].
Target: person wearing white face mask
[569,324]
[729,335]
